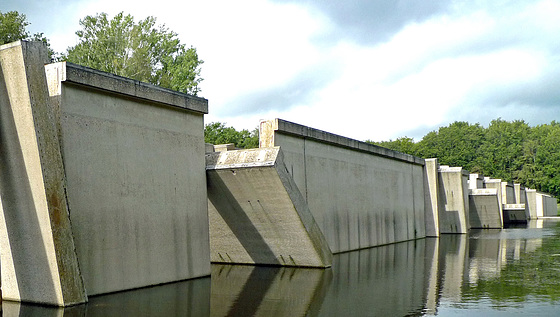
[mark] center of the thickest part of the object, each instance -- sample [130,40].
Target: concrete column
[432,203]
[38,258]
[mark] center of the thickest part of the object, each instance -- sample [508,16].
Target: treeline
[512,151]
[219,133]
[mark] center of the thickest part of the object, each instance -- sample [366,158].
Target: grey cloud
[373,21]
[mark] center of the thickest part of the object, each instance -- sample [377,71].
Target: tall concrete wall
[360,195]
[102,181]
[134,161]
[484,209]
[38,261]
[257,214]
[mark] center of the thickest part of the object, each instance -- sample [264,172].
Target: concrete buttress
[38,258]
[257,215]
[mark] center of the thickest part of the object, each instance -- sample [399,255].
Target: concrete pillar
[484,208]
[432,203]
[476,181]
[38,258]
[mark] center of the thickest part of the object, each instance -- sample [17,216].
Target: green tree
[456,145]
[13,28]
[218,133]
[141,51]
[402,144]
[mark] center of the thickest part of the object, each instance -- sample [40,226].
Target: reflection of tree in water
[533,277]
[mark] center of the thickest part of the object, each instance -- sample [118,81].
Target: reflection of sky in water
[510,272]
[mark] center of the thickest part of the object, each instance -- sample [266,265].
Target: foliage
[218,133]
[512,151]
[141,51]
[13,28]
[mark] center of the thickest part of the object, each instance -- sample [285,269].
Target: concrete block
[454,217]
[484,208]
[257,213]
[508,193]
[38,260]
[134,163]
[361,195]
[476,181]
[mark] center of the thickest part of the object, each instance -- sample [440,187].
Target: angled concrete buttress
[257,214]
[38,259]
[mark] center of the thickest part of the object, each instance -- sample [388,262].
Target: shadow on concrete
[237,220]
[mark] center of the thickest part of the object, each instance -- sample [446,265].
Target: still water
[510,272]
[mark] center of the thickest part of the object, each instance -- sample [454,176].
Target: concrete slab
[37,254]
[531,197]
[257,213]
[484,209]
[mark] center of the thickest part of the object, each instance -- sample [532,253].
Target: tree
[139,51]
[218,133]
[13,28]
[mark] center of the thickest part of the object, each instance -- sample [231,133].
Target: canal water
[509,272]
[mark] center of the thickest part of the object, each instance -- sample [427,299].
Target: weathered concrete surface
[454,216]
[361,195]
[549,205]
[134,162]
[38,260]
[508,193]
[484,208]
[257,214]
[433,201]
[531,204]
[495,184]
[514,213]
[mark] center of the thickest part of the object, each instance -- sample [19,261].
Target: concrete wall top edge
[85,76]
[242,158]
[298,130]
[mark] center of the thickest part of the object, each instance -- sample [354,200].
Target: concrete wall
[360,195]
[476,181]
[531,203]
[134,161]
[102,181]
[550,207]
[257,214]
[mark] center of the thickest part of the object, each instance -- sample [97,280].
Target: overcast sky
[365,69]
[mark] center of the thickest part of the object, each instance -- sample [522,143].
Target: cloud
[373,21]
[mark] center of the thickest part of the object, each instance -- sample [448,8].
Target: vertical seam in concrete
[305,167]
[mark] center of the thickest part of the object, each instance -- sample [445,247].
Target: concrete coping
[298,130]
[492,180]
[530,190]
[224,147]
[85,76]
[514,206]
[484,191]
[260,157]
[447,169]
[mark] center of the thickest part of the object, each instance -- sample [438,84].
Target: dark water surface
[510,272]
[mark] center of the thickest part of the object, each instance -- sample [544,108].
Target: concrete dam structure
[106,185]
[102,181]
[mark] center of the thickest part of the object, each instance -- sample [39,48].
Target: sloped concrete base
[515,213]
[484,209]
[257,214]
